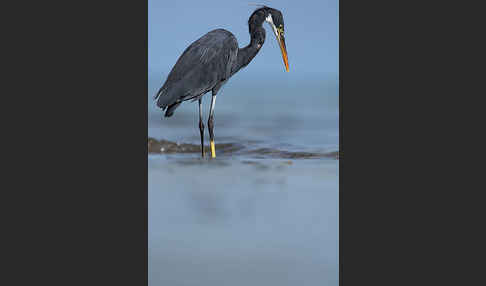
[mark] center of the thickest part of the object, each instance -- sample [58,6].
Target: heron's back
[202,66]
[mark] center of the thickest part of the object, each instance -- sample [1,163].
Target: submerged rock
[167,147]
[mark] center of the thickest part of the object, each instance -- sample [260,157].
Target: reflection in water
[208,206]
[242,221]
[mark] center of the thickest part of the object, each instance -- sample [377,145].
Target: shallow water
[228,221]
[265,210]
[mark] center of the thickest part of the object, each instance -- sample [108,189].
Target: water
[265,210]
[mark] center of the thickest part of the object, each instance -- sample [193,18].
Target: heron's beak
[283,49]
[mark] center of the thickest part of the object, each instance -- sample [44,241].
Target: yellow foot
[213,150]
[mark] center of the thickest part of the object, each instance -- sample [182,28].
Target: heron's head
[275,19]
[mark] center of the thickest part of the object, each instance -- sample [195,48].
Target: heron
[208,63]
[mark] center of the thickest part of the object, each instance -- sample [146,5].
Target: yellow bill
[283,49]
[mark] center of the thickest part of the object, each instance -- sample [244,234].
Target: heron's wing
[198,54]
[202,65]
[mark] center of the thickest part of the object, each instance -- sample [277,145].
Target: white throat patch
[269,19]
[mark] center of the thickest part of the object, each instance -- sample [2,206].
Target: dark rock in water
[275,153]
[167,147]
[164,146]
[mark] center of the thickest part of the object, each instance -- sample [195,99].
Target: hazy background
[247,219]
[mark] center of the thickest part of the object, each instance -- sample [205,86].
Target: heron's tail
[168,100]
[171,108]
[161,90]
[163,97]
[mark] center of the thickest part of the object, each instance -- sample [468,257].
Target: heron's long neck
[246,54]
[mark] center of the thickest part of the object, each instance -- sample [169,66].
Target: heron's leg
[211,125]
[201,127]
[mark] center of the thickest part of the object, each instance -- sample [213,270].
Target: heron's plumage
[212,59]
[204,65]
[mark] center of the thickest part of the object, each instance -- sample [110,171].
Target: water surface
[265,210]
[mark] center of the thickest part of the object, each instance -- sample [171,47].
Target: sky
[311,35]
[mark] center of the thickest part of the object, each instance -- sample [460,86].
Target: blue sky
[311,32]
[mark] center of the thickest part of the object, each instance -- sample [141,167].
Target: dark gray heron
[210,61]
